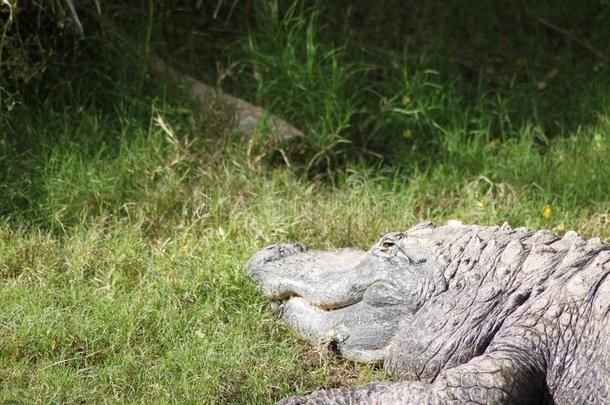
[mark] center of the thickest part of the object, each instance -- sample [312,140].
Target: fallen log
[248,117]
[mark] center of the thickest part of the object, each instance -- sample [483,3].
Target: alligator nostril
[275,252]
[288,249]
[283,250]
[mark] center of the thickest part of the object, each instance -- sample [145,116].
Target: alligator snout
[327,279]
[275,252]
[323,295]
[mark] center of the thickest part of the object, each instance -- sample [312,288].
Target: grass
[123,241]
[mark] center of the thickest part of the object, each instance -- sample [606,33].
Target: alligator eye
[387,244]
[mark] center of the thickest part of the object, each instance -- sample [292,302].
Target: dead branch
[248,116]
[573,38]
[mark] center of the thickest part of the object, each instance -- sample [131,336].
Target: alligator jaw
[277,305]
[331,297]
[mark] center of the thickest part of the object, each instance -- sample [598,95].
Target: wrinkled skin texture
[463,314]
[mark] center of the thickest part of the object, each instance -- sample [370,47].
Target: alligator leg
[502,377]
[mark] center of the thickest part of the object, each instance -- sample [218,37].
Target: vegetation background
[127,212]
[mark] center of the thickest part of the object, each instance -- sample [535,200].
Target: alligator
[456,313]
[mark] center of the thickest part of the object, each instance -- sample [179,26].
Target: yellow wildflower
[184,249]
[547,211]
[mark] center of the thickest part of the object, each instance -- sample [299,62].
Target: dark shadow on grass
[499,47]
[423,73]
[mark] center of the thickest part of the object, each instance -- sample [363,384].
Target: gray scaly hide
[456,313]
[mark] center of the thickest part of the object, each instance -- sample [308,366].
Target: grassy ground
[126,218]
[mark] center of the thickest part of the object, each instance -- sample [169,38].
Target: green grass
[123,244]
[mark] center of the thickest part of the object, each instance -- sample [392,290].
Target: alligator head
[353,299]
[464,313]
